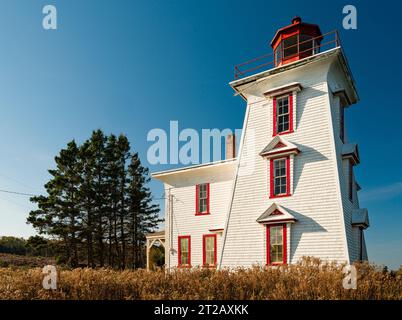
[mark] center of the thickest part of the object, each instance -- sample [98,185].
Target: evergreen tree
[97,203]
[58,213]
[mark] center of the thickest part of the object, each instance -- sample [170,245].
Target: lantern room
[296,41]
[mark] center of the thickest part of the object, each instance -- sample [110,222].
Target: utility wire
[19,193]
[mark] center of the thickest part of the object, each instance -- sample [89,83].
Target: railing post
[337,38]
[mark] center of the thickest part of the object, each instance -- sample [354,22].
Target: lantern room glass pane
[290,46]
[306,45]
[278,54]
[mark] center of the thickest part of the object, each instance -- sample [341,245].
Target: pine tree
[123,151]
[58,214]
[87,192]
[97,203]
[100,193]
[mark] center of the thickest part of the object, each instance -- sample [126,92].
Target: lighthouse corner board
[290,190]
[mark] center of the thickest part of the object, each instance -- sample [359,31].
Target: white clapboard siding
[335,78]
[186,223]
[315,202]
[239,191]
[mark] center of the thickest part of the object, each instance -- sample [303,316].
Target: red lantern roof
[297,26]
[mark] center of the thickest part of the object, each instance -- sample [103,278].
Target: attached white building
[291,191]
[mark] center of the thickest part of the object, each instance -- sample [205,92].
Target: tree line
[33,246]
[98,206]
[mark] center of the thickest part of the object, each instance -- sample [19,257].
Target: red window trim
[284,239]
[204,252]
[271,178]
[275,133]
[197,202]
[179,251]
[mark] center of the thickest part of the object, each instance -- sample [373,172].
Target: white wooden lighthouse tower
[290,190]
[294,191]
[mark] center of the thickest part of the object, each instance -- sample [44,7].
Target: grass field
[308,280]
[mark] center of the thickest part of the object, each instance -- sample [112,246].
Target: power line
[19,193]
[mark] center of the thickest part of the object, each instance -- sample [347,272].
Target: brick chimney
[230,146]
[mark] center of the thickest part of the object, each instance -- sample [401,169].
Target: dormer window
[283,114]
[202,199]
[281,158]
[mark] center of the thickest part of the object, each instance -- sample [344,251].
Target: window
[342,123]
[361,237]
[351,180]
[202,199]
[184,251]
[306,45]
[280,177]
[209,250]
[290,46]
[276,244]
[278,54]
[283,114]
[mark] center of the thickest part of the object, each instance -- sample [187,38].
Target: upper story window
[283,114]
[280,177]
[202,199]
[209,250]
[276,244]
[184,255]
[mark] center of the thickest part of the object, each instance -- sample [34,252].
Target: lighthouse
[302,197]
[290,190]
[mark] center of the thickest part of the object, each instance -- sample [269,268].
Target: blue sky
[126,66]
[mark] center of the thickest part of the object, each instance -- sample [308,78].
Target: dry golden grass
[307,280]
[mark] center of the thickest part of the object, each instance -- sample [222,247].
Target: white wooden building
[290,191]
